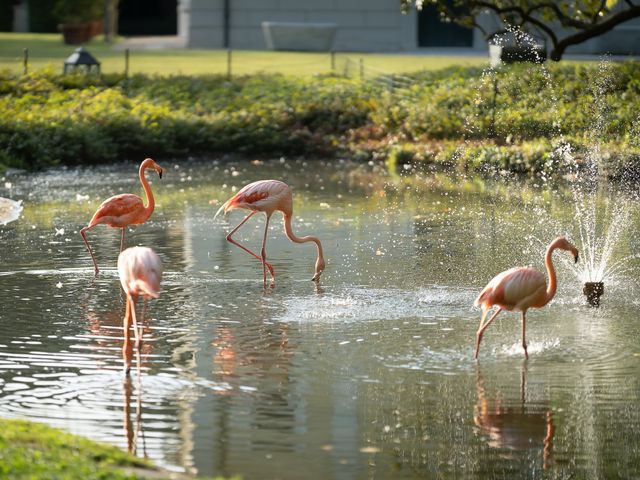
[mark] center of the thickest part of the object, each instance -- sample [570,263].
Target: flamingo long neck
[147,190]
[553,285]
[309,238]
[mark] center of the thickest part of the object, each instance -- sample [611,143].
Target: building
[360,25]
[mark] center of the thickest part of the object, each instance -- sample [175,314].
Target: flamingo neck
[553,285]
[309,238]
[147,190]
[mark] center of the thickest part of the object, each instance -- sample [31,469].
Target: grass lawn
[48,50]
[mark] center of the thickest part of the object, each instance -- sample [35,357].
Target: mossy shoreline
[30,450]
[466,118]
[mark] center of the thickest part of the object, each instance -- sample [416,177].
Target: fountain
[602,213]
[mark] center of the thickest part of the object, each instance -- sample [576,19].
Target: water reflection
[133,429]
[512,424]
[370,375]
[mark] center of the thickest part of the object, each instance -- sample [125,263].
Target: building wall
[378,27]
[362,25]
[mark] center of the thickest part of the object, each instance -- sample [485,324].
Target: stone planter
[75,33]
[301,36]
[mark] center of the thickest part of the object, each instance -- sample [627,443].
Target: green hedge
[49,119]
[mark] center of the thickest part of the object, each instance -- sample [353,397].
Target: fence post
[228,64]
[333,61]
[25,61]
[126,63]
[361,69]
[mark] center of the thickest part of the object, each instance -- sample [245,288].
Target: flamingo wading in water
[140,270]
[267,196]
[120,211]
[520,289]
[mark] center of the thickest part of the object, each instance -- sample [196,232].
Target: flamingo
[267,196]
[520,289]
[140,271]
[120,211]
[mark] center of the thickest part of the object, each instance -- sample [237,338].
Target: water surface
[369,375]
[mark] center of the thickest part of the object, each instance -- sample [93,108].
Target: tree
[582,19]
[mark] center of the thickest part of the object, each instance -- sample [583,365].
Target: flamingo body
[269,196]
[263,196]
[515,289]
[140,271]
[122,210]
[520,288]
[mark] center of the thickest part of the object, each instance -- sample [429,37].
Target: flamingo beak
[575,256]
[160,174]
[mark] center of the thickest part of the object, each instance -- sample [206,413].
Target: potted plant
[79,19]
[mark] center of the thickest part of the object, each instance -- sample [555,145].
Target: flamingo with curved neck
[520,288]
[122,210]
[268,196]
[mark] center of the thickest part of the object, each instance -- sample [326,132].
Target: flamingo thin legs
[524,344]
[127,348]
[262,259]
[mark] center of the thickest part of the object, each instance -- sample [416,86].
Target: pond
[369,374]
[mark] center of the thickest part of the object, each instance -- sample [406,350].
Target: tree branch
[594,31]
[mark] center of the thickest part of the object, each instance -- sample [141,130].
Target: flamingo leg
[84,237]
[127,348]
[482,328]
[122,239]
[231,240]
[263,255]
[135,331]
[524,344]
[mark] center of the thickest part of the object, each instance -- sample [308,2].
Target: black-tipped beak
[576,257]
[160,174]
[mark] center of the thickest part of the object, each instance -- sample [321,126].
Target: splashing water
[603,216]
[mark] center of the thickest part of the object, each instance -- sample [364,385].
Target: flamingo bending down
[268,196]
[120,211]
[520,289]
[140,271]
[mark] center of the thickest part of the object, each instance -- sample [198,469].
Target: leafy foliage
[51,119]
[582,19]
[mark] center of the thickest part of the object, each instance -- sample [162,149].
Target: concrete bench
[315,37]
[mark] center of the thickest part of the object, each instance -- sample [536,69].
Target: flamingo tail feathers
[484,295]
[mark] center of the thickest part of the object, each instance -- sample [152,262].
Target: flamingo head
[150,163]
[563,244]
[319,269]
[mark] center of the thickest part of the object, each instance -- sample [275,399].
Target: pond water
[368,375]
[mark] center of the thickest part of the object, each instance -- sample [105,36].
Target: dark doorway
[148,17]
[432,32]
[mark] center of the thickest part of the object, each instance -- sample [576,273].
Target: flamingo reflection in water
[140,270]
[133,430]
[513,427]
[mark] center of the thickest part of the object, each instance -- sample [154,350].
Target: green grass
[32,450]
[48,51]
[35,451]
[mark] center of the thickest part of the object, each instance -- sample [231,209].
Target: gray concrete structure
[362,25]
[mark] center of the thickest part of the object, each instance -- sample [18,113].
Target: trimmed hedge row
[49,119]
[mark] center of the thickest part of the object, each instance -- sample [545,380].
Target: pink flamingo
[268,196]
[140,271]
[120,211]
[520,289]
